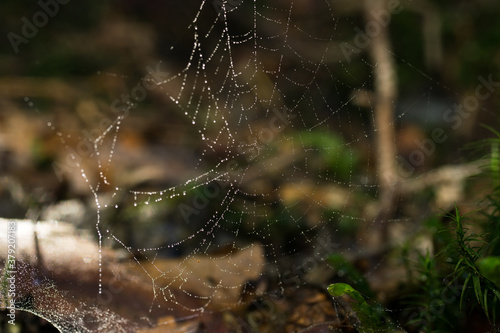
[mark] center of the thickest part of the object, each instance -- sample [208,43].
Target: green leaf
[339,289]
[463,290]
[489,267]
[355,278]
[491,129]
[485,302]
[477,289]
[366,313]
[497,293]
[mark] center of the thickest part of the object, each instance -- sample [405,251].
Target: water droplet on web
[87,260]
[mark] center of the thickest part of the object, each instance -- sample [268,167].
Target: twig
[385,95]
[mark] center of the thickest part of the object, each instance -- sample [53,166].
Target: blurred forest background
[90,53]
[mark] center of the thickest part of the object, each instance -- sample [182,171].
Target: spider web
[242,97]
[278,132]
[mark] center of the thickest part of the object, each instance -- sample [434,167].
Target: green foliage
[434,312]
[471,279]
[472,246]
[368,315]
[466,252]
[489,267]
[489,150]
[345,269]
[337,156]
[492,224]
[462,277]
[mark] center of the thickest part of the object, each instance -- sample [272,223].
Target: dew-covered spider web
[265,166]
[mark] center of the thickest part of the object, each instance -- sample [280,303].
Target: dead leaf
[219,280]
